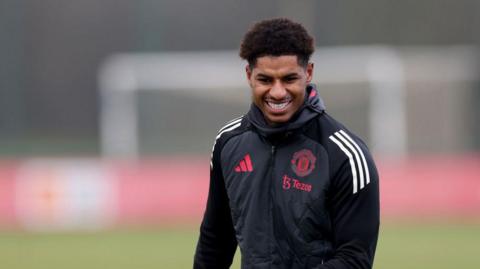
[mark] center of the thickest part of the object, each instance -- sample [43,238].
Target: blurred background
[109,109]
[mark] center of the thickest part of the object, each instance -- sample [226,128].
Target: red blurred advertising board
[90,193]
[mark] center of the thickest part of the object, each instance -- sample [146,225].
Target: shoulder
[348,154]
[230,129]
[327,131]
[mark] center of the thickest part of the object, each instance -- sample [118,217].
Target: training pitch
[433,245]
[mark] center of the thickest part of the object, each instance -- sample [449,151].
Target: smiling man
[290,185]
[278,86]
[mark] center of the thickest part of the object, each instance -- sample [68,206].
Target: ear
[249,72]
[309,71]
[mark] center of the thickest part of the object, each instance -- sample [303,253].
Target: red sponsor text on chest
[289,183]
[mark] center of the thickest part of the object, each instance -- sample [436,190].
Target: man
[289,184]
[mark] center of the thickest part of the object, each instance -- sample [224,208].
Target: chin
[278,119]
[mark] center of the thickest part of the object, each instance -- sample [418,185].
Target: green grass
[402,246]
[425,246]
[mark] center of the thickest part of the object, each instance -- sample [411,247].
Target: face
[278,86]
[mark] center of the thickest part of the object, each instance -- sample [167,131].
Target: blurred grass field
[406,245]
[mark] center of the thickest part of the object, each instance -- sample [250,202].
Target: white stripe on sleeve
[350,158]
[357,158]
[230,123]
[228,127]
[365,165]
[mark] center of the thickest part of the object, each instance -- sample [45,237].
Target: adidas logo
[245,165]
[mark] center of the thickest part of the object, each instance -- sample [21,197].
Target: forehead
[277,65]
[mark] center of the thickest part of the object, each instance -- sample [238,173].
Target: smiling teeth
[278,106]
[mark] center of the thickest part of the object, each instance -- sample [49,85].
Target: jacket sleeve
[355,213]
[217,243]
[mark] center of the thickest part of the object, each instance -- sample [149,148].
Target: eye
[290,79]
[263,80]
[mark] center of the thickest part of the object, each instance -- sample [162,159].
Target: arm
[355,216]
[217,243]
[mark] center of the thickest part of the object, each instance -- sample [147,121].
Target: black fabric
[283,213]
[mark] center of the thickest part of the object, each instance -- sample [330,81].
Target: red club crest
[303,162]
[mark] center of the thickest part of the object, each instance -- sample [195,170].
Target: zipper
[271,191]
[272,162]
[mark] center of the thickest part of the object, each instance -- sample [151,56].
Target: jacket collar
[312,107]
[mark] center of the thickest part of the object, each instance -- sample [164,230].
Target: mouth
[278,106]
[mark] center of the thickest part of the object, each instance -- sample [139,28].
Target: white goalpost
[380,67]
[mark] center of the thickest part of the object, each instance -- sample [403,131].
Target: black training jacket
[300,195]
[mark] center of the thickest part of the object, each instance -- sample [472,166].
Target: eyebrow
[268,76]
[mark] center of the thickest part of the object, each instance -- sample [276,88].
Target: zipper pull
[272,157]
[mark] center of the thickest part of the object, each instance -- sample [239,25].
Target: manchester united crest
[303,162]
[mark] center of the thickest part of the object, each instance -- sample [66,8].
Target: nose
[278,91]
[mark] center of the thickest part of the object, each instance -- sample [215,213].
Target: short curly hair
[277,37]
